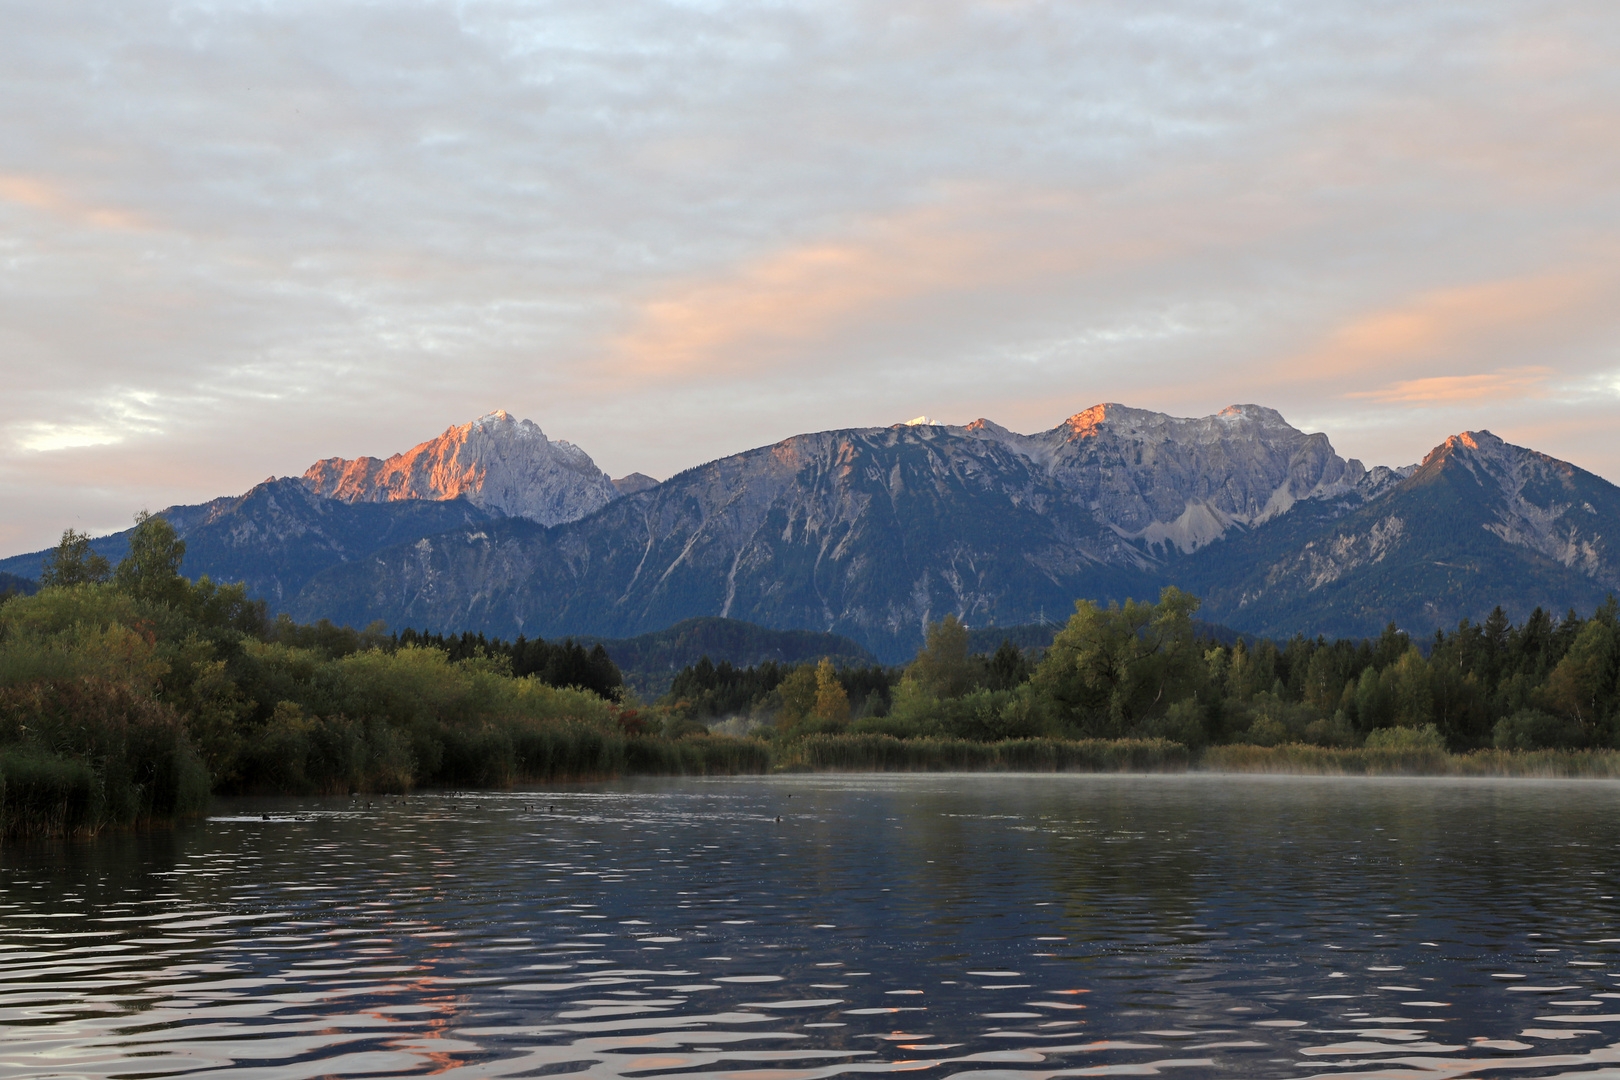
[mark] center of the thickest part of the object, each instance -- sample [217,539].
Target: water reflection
[959,926]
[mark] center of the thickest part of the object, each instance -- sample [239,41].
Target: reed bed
[885,753]
[711,755]
[326,757]
[1309,760]
[133,765]
[79,756]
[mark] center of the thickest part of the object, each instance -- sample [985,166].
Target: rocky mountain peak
[1529,499]
[1480,442]
[497,462]
[1184,482]
[1497,463]
[635,482]
[1089,422]
[982,425]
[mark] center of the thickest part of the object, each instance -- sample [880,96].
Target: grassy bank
[1367,761]
[885,753]
[881,753]
[141,771]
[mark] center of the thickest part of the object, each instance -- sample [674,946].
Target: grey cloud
[237,237]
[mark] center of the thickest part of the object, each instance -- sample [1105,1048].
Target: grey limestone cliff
[497,463]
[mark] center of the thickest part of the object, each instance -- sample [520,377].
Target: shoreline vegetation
[130,694]
[854,753]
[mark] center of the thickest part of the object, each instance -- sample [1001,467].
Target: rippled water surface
[951,925]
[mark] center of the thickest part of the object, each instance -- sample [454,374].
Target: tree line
[1150,670]
[128,693]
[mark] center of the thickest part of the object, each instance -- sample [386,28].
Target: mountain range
[875,532]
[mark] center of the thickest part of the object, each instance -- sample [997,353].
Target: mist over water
[989,926]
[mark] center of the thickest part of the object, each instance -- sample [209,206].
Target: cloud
[798,297]
[237,237]
[795,295]
[105,421]
[1514,384]
[36,194]
[1448,324]
[43,436]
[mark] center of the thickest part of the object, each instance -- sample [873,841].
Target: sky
[239,237]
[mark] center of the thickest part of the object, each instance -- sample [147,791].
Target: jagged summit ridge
[1180,482]
[496,462]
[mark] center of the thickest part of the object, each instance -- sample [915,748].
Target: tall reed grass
[1372,761]
[80,755]
[712,755]
[325,755]
[885,753]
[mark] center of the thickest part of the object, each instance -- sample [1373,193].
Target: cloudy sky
[236,237]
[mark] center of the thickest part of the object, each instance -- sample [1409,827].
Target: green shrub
[277,755]
[1532,729]
[1267,720]
[1334,732]
[1425,737]
[1185,722]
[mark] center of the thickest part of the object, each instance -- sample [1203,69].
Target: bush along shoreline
[129,694]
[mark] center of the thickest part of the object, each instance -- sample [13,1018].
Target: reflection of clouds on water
[966,926]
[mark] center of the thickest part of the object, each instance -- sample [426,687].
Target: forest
[1150,670]
[129,694]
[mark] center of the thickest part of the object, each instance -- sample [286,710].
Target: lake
[984,926]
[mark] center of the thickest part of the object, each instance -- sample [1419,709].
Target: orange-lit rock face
[1083,425]
[1466,440]
[495,462]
